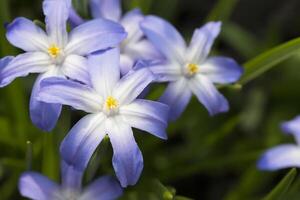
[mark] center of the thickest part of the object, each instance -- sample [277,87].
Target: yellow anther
[111,103]
[192,69]
[54,51]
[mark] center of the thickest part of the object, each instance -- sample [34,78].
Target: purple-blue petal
[108,9]
[71,178]
[147,115]
[127,158]
[292,127]
[74,18]
[176,96]
[43,115]
[95,35]
[104,188]
[222,70]
[208,95]
[280,157]
[37,187]
[22,65]
[79,145]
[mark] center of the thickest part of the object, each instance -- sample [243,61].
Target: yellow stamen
[54,51]
[192,68]
[111,103]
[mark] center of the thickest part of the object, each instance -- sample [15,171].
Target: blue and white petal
[166,72]
[132,85]
[147,115]
[208,95]
[24,34]
[95,35]
[57,14]
[76,68]
[79,145]
[104,188]
[165,38]
[127,158]
[108,9]
[37,187]
[43,115]
[176,96]
[221,70]
[280,157]
[292,127]
[131,23]
[71,178]
[22,65]
[202,42]
[104,70]
[67,92]
[74,18]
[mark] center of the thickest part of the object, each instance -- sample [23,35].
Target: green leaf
[280,190]
[269,59]
[222,10]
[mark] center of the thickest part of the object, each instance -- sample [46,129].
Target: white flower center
[111,106]
[56,53]
[191,69]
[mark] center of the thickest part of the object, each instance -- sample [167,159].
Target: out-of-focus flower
[135,47]
[286,155]
[55,53]
[38,187]
[188,69]
[113,109]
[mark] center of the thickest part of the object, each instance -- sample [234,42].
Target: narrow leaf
[280,190]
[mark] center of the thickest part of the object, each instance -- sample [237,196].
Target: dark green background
[205,157]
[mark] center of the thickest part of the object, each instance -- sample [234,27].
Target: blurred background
[204,158]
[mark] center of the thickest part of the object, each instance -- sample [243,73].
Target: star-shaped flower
[55,53]
[188,69]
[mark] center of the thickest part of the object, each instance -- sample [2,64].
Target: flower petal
[126,64]
[95,35]
[74,18]
[177,96]
[76,68]
[202,42]
[37,187]
[108,9]
[127,158]
[283,156]
[24,34]
[57,14]
[79,145]
[221,70]
[166,72]
[105,70]
[22,65]
[132,85]
[71,178]
[165,38]
[131,23]
[147,115]
[66,92]
[43,115]
[106,187]
[208,95]
[292,127]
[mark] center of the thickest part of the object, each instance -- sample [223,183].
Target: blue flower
[113,109]
[38,187]
[187,69]
[55,53]
[286,155]
[135,47]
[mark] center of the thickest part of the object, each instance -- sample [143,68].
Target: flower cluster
[102,66]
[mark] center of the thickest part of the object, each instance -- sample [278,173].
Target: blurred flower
[55,53]
[38,187]
[114,110]
[283,156]
[135,47]
[188,69]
